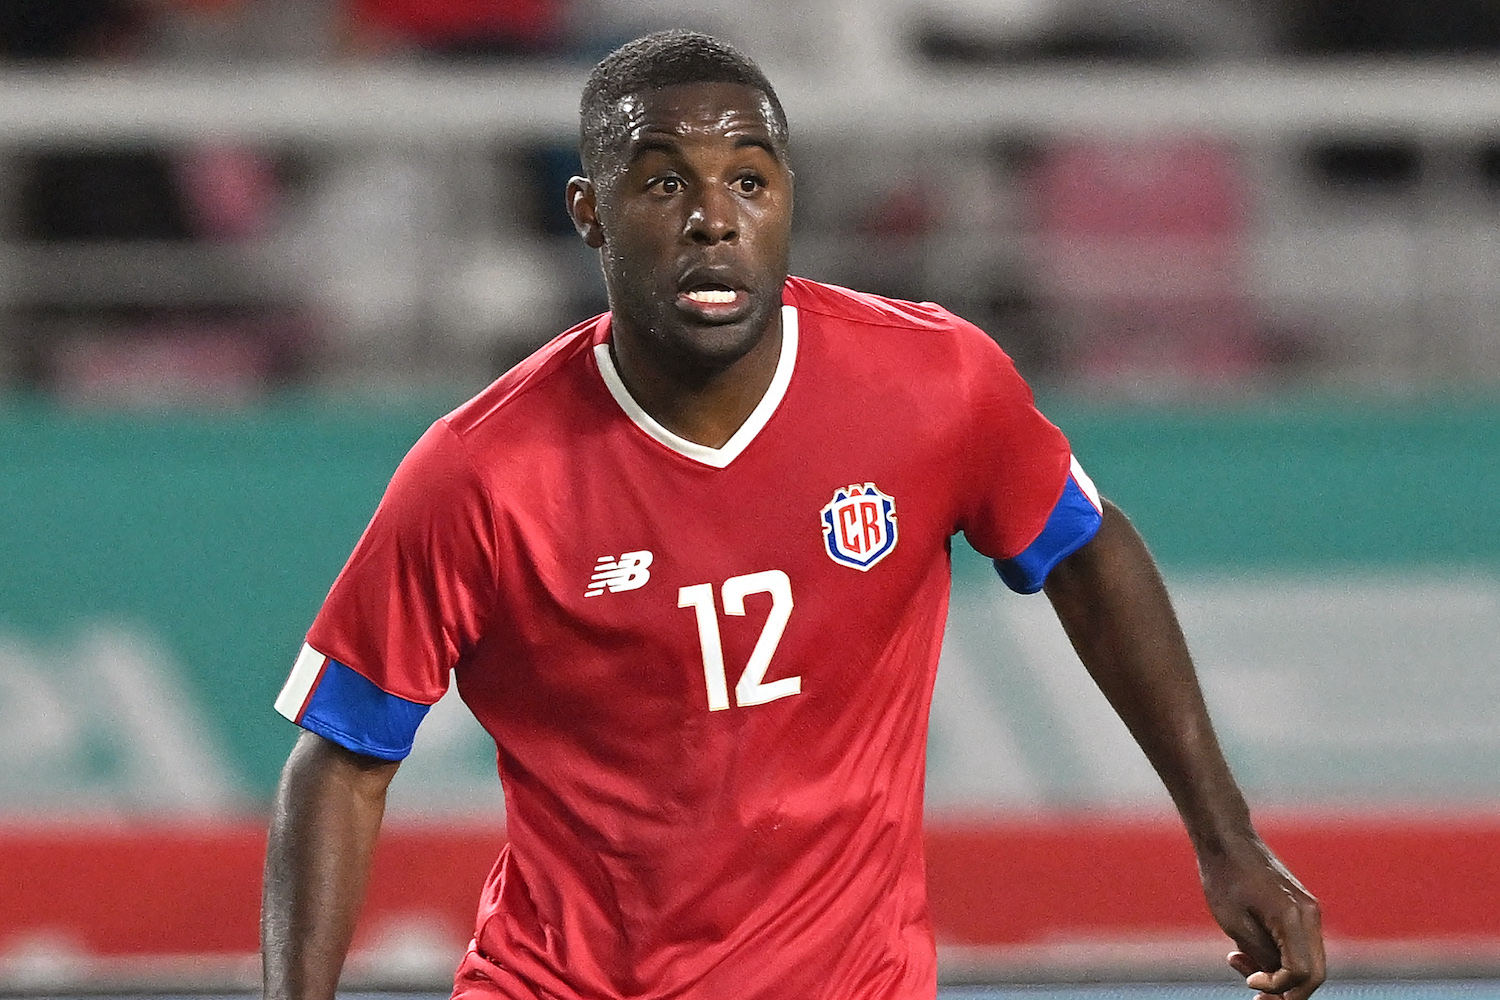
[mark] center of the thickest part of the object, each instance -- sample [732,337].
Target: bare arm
[323,825]
[1114,607]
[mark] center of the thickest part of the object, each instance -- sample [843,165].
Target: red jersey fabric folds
[707,674]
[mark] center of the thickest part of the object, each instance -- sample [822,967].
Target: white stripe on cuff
[300,684]
[1085,483]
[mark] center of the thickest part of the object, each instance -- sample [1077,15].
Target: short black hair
[661,59]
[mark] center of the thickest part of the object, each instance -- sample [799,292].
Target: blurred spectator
[221,31]
[981,31]
[116,194]
[459,29]
[1327,27]
[230,192]
[123,194]
[62,29]
[209,342]
[128,193]
[376,229]
[1140,248]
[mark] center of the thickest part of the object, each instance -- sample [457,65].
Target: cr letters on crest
[859,526]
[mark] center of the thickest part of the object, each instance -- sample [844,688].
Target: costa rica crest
[859,526]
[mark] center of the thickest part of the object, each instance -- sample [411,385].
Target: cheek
[644,236]
[628,252]
[770,228]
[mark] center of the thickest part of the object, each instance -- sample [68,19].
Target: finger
[1257,944]
[1243,963]
[1288,984]
[1299,938]
[1297,931]
[1301,992]
[1301,968]
[1285,947]
[1269,982]
[1278,982]
[1278,985]
[1305,989]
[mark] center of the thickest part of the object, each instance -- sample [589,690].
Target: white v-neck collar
[717,458]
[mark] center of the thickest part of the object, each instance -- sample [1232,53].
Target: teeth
[711,296]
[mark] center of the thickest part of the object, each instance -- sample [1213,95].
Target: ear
[583,209]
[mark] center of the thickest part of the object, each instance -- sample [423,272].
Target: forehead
[696,110]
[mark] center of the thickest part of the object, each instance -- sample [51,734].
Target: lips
[712,294]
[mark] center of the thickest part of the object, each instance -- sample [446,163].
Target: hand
[1271,917]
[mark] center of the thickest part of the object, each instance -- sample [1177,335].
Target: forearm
[1112,603]
[1114,607]
[324,824]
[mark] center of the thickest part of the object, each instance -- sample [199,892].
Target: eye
[749,184]
[668,185]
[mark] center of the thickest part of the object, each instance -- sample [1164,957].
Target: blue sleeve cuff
[351,711]
[1074,520]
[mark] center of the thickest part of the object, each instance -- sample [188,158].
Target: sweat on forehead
[653,62]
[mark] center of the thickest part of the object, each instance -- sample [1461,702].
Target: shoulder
[835,302]
[913,337]
[536,385]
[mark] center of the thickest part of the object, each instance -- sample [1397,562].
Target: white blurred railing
[412,105]
[1405,285]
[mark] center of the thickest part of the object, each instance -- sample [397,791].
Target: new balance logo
[629,572]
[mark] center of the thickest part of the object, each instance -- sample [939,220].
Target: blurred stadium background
[1247,250]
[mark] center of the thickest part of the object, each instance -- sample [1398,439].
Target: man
[689,566]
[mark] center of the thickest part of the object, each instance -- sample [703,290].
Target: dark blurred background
[189,215]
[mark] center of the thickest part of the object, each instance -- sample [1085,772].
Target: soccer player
[689,565]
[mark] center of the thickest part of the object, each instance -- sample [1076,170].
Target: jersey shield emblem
[859,526]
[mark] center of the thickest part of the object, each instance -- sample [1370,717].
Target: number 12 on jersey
[751,688]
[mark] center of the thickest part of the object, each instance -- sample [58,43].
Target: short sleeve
[1028,503]
[409,603]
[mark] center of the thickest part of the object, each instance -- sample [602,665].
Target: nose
[712,217]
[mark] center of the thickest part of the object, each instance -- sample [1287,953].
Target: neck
[704,406]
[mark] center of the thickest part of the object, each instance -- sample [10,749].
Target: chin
[716,347]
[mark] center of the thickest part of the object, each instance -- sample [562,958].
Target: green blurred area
[221,533]
[1299,486]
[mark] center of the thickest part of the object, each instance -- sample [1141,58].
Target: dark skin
[324,822]
[698,200]
[692,218]
[1113,605]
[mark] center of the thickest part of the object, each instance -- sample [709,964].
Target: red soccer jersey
[707,671]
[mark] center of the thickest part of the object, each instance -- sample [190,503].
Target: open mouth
[711,300]
[713,295]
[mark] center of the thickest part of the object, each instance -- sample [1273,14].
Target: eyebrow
[652,144]
[756,142]
[663,144]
